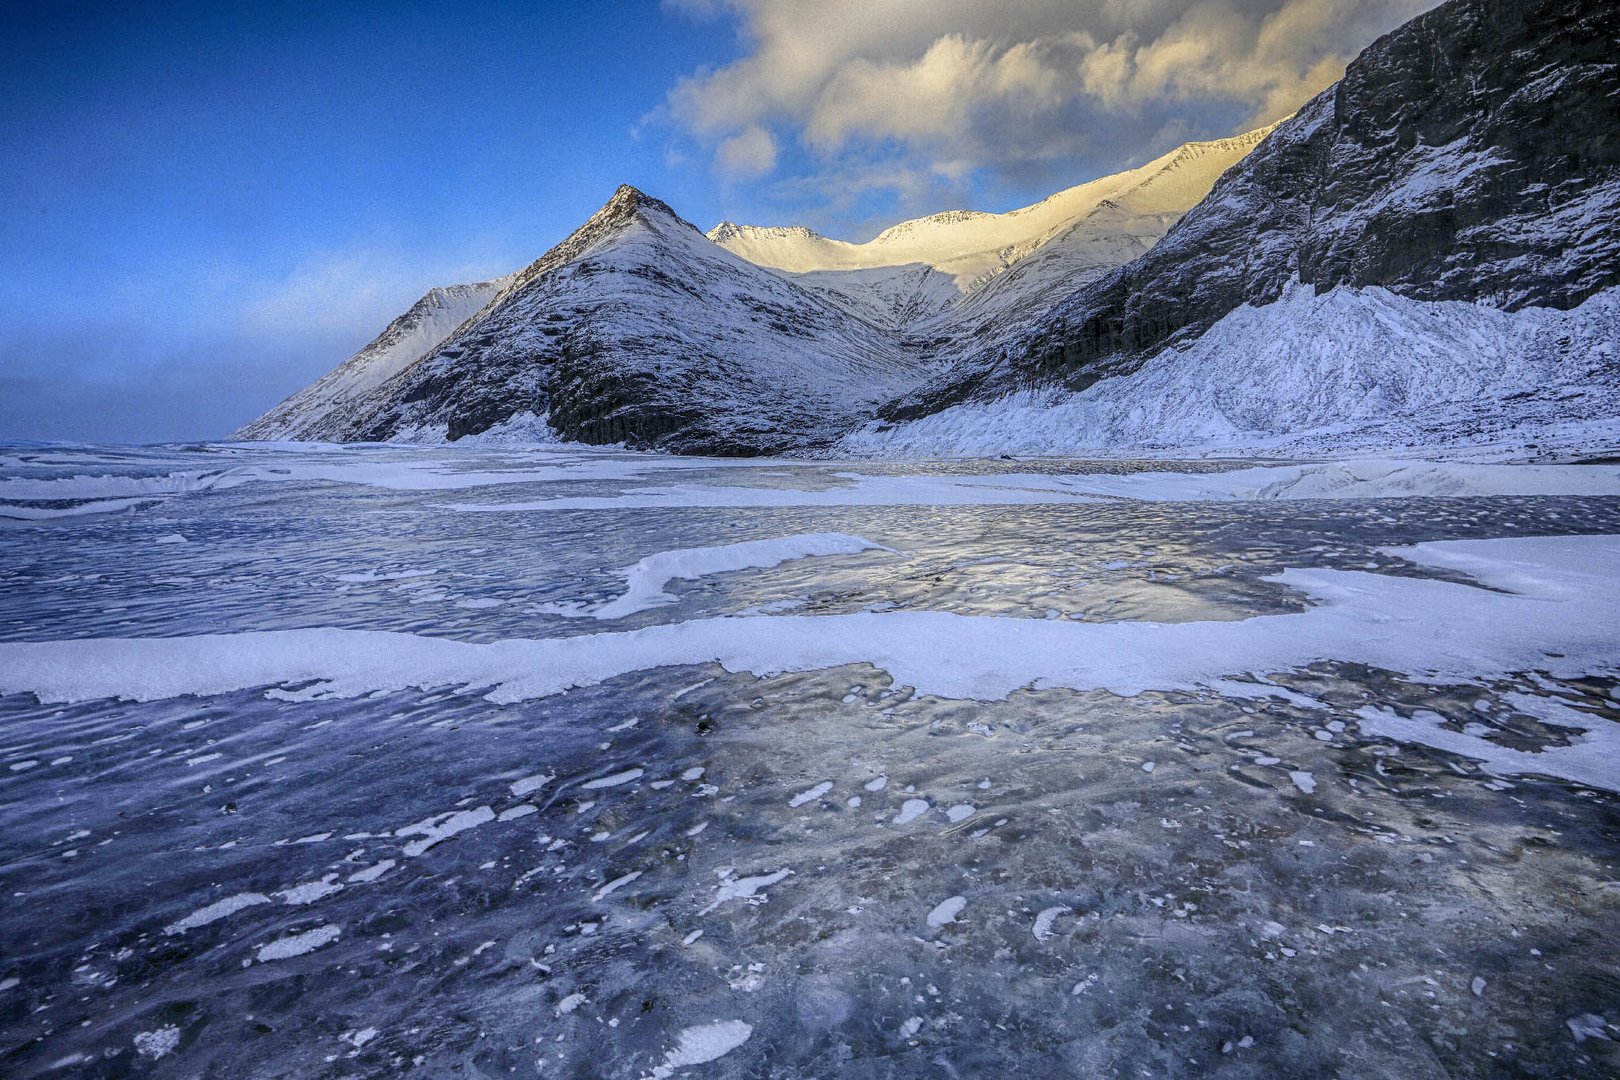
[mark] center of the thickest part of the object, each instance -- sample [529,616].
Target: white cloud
[750,152]
[940,90]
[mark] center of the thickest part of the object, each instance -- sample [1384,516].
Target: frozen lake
[344,761]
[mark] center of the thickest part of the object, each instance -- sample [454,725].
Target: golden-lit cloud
[899,88]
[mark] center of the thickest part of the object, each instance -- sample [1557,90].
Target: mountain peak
[628,196]
[730,230]
[629,202]
[915,225]
[724,231]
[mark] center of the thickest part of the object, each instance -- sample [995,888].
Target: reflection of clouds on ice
[645,581]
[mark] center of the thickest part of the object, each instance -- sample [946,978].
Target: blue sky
[209,205]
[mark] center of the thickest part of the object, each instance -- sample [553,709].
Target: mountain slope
[1468,155]
[1347,370]
[406,340]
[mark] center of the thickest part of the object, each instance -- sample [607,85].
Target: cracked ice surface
[829,838]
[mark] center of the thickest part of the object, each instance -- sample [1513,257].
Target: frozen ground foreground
[343,761]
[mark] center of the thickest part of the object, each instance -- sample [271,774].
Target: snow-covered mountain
[639,329]
[634,329]
[944,270]
[1390,261]
[969,246]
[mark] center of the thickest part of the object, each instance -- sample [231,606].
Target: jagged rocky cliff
[1472,154]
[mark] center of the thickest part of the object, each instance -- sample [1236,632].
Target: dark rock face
[1471,154]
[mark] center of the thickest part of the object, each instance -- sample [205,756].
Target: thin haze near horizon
[210,206]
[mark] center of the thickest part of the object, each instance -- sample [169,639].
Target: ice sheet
[1562,616]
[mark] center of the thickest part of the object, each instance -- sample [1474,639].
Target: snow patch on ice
[616,780]
[1043,921]
[310,891]
[216,911]
[530,784]
[812,795]
[734,888]
[372,873]
[702,1044]
[298,944]
[157,1044]
[946,911]
[614,885]
[436,831]
[910,811]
